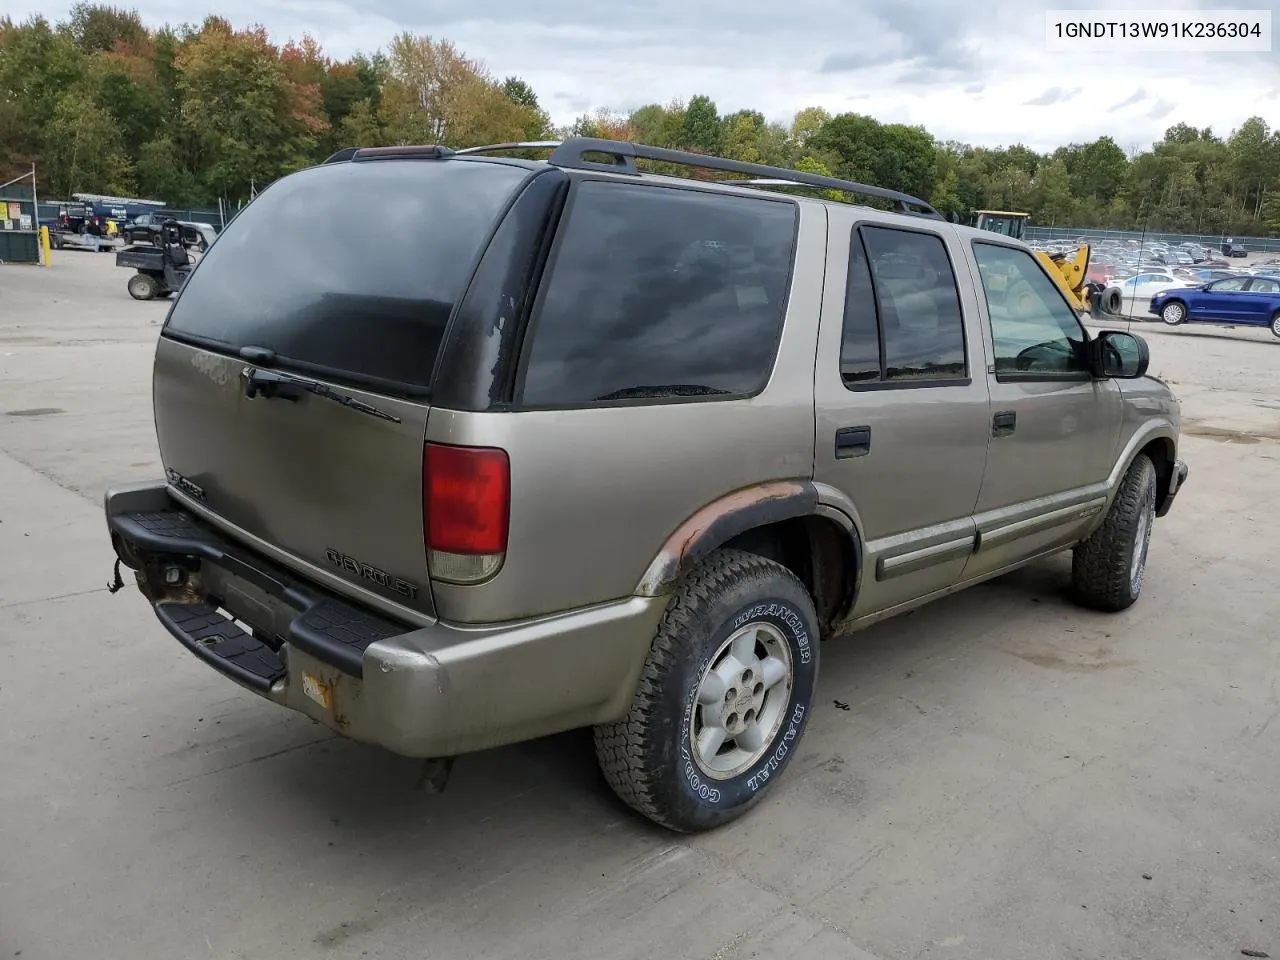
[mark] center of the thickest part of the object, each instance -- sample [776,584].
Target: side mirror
[1120,355]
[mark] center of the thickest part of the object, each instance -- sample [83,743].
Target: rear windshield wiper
[271,384]
[668,390]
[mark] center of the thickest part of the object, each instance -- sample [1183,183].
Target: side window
[902,319]
[1234,283]
[1033,329]
[1264,286]
[659,292]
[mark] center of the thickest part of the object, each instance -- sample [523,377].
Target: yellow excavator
[1068,272]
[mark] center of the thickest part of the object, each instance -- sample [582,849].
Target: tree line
[102,104]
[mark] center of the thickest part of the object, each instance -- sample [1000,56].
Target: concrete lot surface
[999,775]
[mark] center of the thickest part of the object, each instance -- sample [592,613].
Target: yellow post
[47,257]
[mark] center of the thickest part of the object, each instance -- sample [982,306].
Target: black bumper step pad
[329,629]
[220,642]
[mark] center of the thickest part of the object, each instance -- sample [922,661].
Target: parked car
[1136,291]
[1202,275]
[146,229]
[1232,249]
[1249,301]
[555,466]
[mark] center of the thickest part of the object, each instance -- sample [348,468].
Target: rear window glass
[352,267]
[657,292]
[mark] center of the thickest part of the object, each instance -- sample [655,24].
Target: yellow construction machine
[1068,272]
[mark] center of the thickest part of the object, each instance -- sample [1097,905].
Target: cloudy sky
[979,71]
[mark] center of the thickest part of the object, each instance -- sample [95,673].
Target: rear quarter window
[350,268]
[658,293]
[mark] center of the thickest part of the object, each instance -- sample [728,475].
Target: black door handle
[853,442]
[1004,423]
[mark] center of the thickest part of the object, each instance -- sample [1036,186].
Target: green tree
[702,129]
[807,122]
[361,126]
[98,28]
[436,94]
[85,154]
[1054,204]
[946,195]
[251,124]
[1100,171]
[743,132]
[892,156]
[537,123]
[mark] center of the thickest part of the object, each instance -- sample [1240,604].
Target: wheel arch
[1159,442]
[786,521]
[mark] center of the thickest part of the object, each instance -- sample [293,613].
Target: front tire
[1173,313]
[723,697]
[1107,570]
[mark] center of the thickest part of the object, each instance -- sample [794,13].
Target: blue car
[1251,301]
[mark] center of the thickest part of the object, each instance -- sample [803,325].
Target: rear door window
[659,293]
[902,318]
[350,269]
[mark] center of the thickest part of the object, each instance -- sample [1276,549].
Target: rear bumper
[430,691]
[1177,477]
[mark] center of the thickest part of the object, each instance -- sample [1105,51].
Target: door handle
[1004,423]
[853,442]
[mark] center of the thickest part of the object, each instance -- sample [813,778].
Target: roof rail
[572,154]
[926,210]
[524,145]
[342,156]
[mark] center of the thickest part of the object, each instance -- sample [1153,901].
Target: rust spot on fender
[721,520]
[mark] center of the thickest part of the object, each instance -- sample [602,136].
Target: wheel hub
[741,702]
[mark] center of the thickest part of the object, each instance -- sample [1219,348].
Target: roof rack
[573,153]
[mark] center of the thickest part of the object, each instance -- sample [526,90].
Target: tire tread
[1100,565]
[630,761]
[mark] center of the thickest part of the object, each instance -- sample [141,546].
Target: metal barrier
[1093,235]
[19,222]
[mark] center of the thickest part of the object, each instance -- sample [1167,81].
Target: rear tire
[723,697]
[1275,324]
[1107,570]
[143,287]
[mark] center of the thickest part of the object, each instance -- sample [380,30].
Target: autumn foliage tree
[195,113]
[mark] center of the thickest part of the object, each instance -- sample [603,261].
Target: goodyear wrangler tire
[723,698]
[1107,570]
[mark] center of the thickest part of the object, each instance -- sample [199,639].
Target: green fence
[19,225]
[1212,241]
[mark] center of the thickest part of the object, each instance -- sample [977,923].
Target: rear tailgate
[292,378]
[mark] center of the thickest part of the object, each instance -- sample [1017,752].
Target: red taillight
[466,503]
